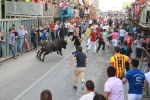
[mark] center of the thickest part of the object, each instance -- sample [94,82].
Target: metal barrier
[6,24]
[22,9]
[51,11]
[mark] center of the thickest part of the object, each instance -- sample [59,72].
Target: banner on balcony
[125,5]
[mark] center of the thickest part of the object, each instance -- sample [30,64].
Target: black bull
[50,47]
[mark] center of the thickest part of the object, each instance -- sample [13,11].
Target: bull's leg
[60,51]
[57,52]
[38,54]
[44,56]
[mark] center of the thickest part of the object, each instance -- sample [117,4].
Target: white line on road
[26,90]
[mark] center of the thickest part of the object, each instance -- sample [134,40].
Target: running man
[93,36]
[82,60]
[118,61]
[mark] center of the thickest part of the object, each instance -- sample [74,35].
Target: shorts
[44,41]
[134,96]
[70,33]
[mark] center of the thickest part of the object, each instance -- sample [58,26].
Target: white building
[115,5]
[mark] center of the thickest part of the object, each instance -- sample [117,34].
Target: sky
[106,5]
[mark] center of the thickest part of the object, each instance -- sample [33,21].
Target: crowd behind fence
[6,24]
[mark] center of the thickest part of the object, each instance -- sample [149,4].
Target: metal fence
[30,9]
[51,11]
[5,24]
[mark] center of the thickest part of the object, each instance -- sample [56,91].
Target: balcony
[144,22]
[30,9]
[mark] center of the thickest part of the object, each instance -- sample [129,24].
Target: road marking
[26,90]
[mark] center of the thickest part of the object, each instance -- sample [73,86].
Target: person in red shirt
[130,40]
[100,41]
[98,29]
[52,26]
[93,36]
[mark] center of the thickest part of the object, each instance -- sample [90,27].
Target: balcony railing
[30,9]
[144,22]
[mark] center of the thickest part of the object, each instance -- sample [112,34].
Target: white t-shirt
[56,27]
[71,27]
[147,78]
[115,86]
[106,27]
[148,7]
[88,96]
[90,21]
[95,26]
[122,32]
[67,25]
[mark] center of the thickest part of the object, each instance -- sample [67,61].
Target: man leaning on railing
[21,34]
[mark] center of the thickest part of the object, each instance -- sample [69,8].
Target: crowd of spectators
[137,7]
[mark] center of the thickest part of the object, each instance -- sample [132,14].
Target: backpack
[126,49]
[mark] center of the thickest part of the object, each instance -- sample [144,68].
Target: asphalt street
[25,77]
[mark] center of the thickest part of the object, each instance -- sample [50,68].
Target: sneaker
[82,85]
[2,58]
[15,57]
[18,54]
[94,53]
[75,87]
[145,95]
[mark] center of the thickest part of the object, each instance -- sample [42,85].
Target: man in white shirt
[122,32]
[67,24]
[56,30]
[139,41]
[90,89]
[106,27]
[113,88]
[147,83]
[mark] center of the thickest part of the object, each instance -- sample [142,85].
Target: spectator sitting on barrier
[2,40]
[46,95]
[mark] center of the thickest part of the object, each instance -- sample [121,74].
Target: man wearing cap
[93,36]
[139,42]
